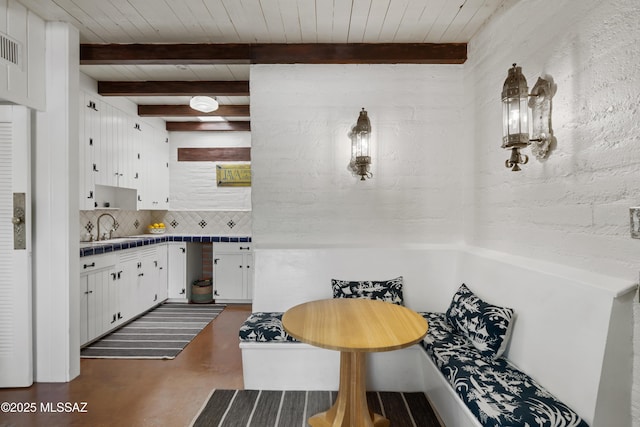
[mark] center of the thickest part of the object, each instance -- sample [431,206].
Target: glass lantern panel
[362,144]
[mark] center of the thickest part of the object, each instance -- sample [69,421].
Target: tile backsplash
[130,223]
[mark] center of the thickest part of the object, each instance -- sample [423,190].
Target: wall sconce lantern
[360,145]
[515,117]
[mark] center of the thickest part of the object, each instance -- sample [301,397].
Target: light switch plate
[634,221]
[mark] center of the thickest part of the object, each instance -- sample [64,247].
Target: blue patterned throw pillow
[487,326]
[384,290]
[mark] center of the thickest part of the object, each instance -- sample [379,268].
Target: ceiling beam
[237,126]
[274,53]
[186,111]
[174,88]
[159,53]
[360,53]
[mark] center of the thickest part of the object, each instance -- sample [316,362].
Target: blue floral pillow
[385,290]
[487,326]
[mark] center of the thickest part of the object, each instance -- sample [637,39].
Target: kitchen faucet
[113,227]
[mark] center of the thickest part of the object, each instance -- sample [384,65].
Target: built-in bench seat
[571,331]
[494,390]
[264,327]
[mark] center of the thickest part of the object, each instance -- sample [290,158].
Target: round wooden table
[353,327]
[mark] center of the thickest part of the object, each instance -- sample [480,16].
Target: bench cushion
[495,391]
[264,327]
[487,326]
[382,290]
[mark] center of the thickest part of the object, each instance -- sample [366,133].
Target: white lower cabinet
[177,277]
[161,273]
[116,287]
[147,295]
[96,275]
[232,272]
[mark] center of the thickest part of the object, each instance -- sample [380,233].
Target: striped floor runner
[260,408]
[161,333]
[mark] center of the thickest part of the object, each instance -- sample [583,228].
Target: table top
[353,324]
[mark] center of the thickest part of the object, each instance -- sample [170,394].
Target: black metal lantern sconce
[516,101]
[360,147]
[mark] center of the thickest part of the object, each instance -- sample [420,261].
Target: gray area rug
[262,408]
[161,333]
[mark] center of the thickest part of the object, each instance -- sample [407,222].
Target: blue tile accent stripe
[151,240]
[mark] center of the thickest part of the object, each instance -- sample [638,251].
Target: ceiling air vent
[10,50]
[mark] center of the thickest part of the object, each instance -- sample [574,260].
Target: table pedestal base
[350,408]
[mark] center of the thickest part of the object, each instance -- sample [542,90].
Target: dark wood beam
[158,53]
[226,154]
[186,111]
[237,126]
[275,53]
[360,53]
[174,88]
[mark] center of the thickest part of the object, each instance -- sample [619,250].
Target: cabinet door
[147,277]
[84,309]
[162,173]
[85,152]
[134,136]
[143,161]
[106,147]
[127,270]
[177,264]
[161,273]
[248,275]
[229,273]
[97,302]
[113,301]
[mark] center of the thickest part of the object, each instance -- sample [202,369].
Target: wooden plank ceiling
[147,41]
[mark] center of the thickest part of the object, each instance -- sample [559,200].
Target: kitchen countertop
[120,243]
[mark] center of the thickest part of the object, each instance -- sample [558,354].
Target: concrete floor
[136,393]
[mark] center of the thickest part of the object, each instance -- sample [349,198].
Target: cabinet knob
[141,274]
[93,264]
[245,249]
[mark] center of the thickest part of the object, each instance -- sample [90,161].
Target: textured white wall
[193,184]
[303,192]
[573,207]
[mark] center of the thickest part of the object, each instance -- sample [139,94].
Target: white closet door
[16,352]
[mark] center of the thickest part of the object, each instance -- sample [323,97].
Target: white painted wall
[303,193]
[56,283]
[193,184]
[437,135]
[573,207]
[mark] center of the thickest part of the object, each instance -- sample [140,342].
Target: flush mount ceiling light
[205,104]
[360,142]
[516,101]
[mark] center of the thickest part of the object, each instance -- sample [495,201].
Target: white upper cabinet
[121,157]
[153,192]
[89,129]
